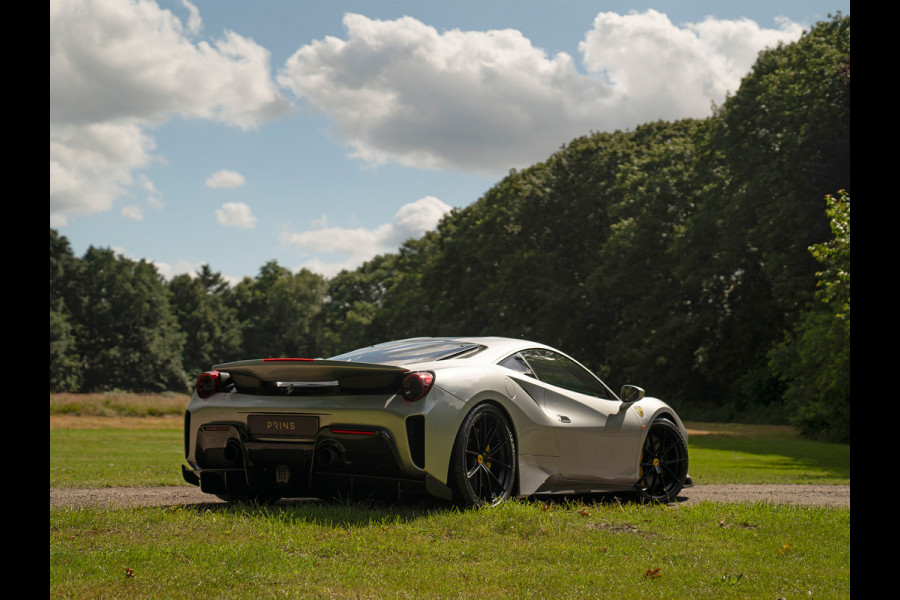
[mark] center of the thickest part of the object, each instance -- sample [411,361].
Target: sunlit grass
[736,453]
[90,451]
[519,550]
[523,549]
[116,457]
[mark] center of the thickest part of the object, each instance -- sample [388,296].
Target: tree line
[707,260]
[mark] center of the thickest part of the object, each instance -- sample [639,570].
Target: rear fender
[457,391]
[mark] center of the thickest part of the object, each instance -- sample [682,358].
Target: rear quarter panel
[464,387]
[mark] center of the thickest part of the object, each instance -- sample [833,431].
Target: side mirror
[631,394]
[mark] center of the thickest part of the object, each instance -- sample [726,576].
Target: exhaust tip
[328,456]
[233,452]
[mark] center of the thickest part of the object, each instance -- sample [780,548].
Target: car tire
[663,464]
[483,471]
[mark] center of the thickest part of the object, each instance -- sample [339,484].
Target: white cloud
[91,164]
[235,214]
[119,67]
[225,179]
[361,244]
[135,213]
[660,71]
[195,23]
[486,101]
[186,267]
[168,271]
[330,269]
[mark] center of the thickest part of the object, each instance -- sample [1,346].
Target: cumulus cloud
[361,244]
[191,268]
[225,179]
[195,23]
[486,101]
[181,267]
[236,214]
[120,67]
[134,213]
[91,164]
[660,71]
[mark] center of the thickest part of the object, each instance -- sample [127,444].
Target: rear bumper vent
[415,435]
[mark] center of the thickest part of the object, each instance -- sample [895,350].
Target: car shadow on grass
[361,512]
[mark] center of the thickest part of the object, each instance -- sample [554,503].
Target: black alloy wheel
[664,462]
[484,458]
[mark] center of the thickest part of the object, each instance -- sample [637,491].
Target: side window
[517,363]
[556,369]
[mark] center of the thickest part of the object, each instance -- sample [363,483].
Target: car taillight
[208,384]
[416,386]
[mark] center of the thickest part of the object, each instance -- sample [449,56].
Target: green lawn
[119,456]
[764,454]
[115,457]
[522,549]
[518,550]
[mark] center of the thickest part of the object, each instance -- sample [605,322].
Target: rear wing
[298,373]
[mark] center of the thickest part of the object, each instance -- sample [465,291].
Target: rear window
[409,351]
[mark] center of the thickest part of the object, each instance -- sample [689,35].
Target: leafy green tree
[63,271]
[814,358]
[654,325]
[213,333]
[515,262]
[278,311]
[785,138]
[834,256]
[776,147]
[65,362]
[128,336]
[353,300]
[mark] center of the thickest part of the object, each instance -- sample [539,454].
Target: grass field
[523,549]
[101,440]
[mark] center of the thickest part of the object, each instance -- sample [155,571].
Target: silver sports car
[474,420]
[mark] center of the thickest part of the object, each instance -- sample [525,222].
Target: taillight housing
[416,385]
[208,384]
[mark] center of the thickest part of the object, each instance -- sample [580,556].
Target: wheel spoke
[644,475]
[489,481]
[497,461]
[669,448]
[489,433]
[493,451]
[476,437]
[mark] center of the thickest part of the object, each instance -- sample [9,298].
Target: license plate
[289,426]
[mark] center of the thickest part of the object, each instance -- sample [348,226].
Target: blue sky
[319,133]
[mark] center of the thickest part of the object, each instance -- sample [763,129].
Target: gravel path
[818,495]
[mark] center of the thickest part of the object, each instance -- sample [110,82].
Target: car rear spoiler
[309,373]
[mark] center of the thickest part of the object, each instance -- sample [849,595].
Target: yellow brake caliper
[481,457]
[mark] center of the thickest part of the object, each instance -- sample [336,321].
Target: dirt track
[817,495]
